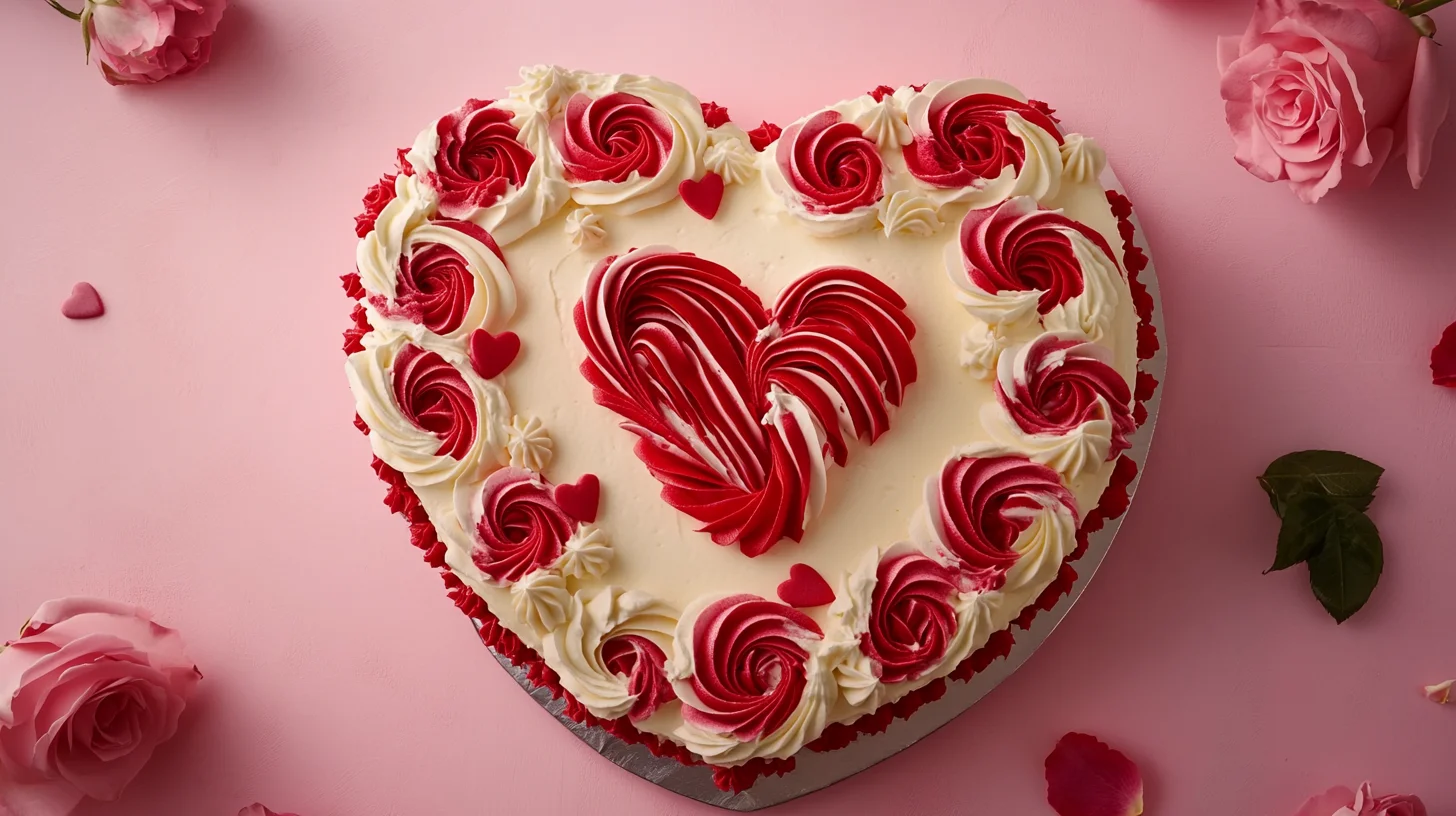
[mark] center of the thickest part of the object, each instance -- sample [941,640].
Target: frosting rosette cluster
[628,143]
[427,418]
[516,525]
[735,407]
[424,276]
[1060,399]
[746,671]
[981,139]
[1005,521]
[612,652]
[1016,261]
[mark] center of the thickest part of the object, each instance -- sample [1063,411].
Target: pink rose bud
[138,42]
[87,693]
[1322,93]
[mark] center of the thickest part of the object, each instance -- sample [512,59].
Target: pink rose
[87,693]
[256,809]
[138,42]
[1319,92]
[1341,801]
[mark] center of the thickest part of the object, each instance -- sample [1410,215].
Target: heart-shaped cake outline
[900,214]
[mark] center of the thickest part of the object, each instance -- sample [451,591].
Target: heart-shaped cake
[641,380]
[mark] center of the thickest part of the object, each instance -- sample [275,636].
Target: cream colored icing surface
[639,542]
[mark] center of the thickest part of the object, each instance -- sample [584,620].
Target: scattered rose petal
[1440,692]
[1443,359]
[1341,801]
[84,303]
[1085,777]
[256,809]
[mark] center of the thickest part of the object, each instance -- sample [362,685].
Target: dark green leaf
[1306,523]
[1330,472]
[1345,571]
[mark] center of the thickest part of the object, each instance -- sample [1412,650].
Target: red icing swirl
[1018,247]
[432,394]
[685,353]
[968,138]
[749,668]
[830,164]
[375,201]
[1061,381]
[980,506]
[911,621]
[641,662]
[609,138]
[480,158]
[521,528]
[435,283]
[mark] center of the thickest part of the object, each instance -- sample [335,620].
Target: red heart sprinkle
[84,303]
[490,354]
[580,500]
[805,588]
[703,196]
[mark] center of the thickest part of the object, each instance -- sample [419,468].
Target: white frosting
[540,600]
[399,442]
[730,154]
[586,555]
[566,611]
[684,160]
[1092,312]
[1082,159]
[909,212]
[883,122]
[584,228]
[981,347]
[573,650]
[528,444]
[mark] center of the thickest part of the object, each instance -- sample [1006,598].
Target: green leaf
[1307,520]
[1345,571]
[1318,471]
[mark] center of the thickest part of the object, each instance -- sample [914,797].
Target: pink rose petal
[1440,692]
[1328,803]
[256,809]
[1443,359]
[1085,777]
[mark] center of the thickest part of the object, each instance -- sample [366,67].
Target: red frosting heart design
[490,354]
[704,196]
[580,500]
[738,408]
[805,588]
[84,303]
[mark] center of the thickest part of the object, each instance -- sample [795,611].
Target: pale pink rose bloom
[146,41]
[256,809]
[87,693]
[1323,92]
[1341,801]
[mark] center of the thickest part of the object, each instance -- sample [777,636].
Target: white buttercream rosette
[416,271]
[398,385]
[611,650]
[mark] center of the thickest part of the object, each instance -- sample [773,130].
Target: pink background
[192,450]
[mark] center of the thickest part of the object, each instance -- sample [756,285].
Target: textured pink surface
[192,450]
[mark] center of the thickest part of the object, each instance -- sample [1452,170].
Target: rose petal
[1328,803]
[257,809]
[1085,777]
[1425,111]
[1443,359]
[1440,692]
[49,797]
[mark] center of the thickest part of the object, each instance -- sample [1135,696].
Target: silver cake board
[815,770]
